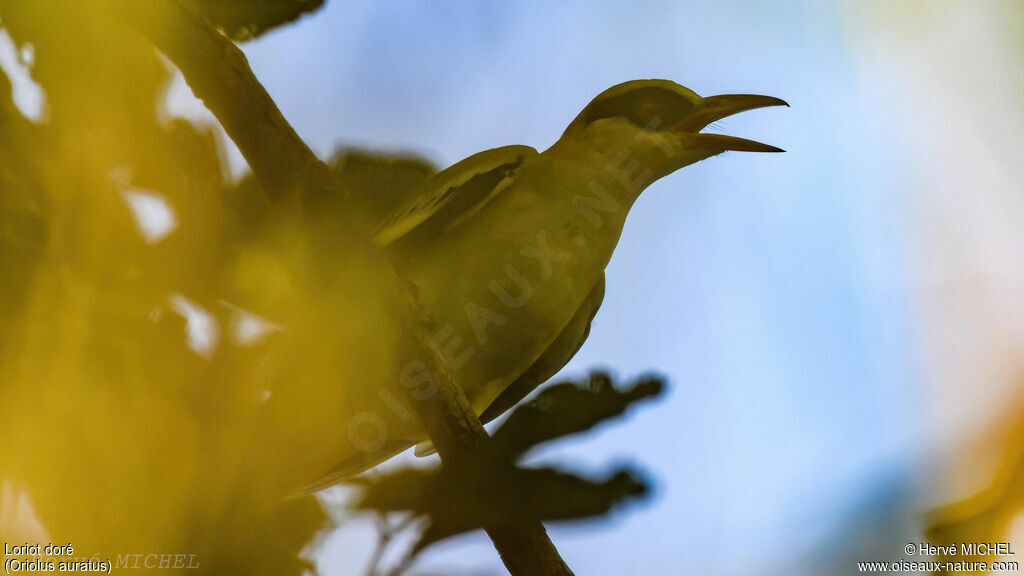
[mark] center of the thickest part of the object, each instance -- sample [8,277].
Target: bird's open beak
[715,108]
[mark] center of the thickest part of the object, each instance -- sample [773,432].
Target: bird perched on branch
[505,251]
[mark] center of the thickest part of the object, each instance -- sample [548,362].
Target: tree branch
[219,75]
[459,436]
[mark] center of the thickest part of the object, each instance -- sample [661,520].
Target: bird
[505,251]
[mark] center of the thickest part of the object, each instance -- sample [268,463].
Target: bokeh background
[840,324]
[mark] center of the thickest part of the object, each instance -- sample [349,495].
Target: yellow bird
[505,251]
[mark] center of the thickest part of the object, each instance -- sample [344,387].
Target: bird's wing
[552,360]
[549,363]
[454,194]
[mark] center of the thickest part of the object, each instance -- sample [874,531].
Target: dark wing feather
[565,346]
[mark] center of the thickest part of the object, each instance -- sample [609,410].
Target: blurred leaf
[987,515]
[22,212]
[459,500]
[568,408]
[246,19]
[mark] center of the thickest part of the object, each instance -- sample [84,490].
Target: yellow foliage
[151,396]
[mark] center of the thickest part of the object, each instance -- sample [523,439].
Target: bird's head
[661,122]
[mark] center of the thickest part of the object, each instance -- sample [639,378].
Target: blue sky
[771,290]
